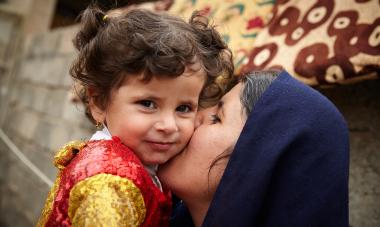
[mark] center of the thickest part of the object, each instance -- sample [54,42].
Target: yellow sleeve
[106,200]
[46,211]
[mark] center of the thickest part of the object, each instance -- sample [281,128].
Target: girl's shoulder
[67,152]
[81,159]
[79,151]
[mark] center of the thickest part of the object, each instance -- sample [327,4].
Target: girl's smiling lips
[160,146]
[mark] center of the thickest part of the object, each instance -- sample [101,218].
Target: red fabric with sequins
[111,157]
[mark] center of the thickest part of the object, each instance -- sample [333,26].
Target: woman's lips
[160,146]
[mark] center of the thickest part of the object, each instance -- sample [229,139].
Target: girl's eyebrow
[150,97]
[190,102]
[159,98]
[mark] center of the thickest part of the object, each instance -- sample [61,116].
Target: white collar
[152,170]
[103,134]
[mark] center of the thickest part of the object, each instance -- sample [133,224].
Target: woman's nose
[167,124]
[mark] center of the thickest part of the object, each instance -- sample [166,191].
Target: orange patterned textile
[238,21]
[103,183]
[321,41]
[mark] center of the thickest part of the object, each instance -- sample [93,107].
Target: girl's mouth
[160,146]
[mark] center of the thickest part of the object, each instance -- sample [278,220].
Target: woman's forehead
[233,94]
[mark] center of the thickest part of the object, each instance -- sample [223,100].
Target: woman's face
[188,174]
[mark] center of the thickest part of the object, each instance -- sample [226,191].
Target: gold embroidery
[106,200]
[67,153]
[46,211]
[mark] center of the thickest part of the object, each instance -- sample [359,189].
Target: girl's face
[218,128]
[156,118]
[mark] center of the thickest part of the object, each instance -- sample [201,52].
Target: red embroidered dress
[103,183]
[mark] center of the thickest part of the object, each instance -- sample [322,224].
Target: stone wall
[39,119]
[360,105]
[36,14]
[10,35]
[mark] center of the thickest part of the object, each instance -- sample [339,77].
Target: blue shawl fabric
[289,166]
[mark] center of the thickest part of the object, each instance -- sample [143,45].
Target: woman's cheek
[216,174]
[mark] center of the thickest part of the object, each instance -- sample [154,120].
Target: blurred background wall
[37,115]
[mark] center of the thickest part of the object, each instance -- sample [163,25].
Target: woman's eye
[147,103]
[215,119]
[184,108]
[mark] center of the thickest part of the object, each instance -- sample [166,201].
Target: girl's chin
[154,162]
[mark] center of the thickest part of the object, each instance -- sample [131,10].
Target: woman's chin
[168,171]
[166,167]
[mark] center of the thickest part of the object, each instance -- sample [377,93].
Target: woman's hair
[141,42]
[254,86]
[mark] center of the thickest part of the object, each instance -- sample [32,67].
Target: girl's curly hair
[141,42]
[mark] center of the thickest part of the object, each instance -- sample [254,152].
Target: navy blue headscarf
[289,166]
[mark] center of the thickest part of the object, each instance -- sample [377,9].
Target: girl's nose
[167,124]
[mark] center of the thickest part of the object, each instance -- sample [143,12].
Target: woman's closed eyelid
[214,118]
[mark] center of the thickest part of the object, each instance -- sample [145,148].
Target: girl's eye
[147,104]
[215,119]
[184,108]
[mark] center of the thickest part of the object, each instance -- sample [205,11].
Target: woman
[273,152]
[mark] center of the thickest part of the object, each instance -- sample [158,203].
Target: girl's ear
[97,113]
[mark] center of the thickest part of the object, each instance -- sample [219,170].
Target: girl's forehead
[196,66]
[200,72]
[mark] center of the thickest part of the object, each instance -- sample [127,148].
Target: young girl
[143,75]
